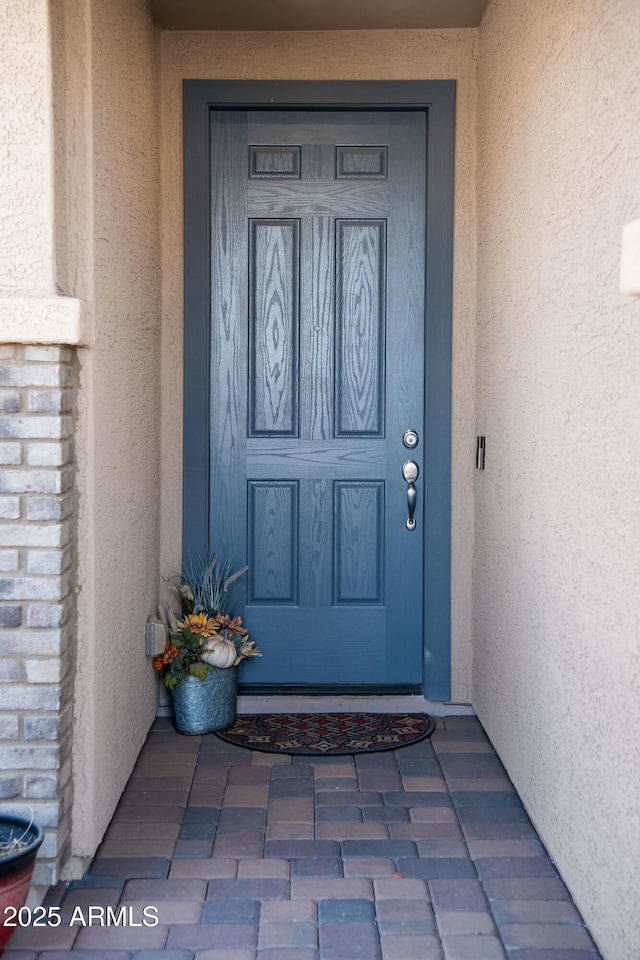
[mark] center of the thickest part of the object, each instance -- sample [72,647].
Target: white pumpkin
[219,652]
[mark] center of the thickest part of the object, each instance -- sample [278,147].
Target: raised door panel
[273,327]
[369,163]
[274,162]
[272,528]
[358,512]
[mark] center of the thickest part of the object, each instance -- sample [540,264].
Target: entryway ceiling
[316,14]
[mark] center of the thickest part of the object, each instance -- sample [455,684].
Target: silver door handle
[410,473]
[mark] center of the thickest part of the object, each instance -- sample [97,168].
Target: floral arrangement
[207,638]
[205,587]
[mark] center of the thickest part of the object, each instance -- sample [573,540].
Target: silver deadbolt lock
[410,439]
[410,473]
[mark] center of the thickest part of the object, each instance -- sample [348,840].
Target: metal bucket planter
[201,706]
[16,868]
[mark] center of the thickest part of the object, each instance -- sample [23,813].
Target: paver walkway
[419,854]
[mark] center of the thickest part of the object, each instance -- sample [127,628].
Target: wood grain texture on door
[317,369]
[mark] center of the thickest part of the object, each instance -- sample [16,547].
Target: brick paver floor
[422,854]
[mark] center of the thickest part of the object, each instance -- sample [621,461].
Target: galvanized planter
[201,706]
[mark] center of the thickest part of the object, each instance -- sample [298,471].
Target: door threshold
[322,704]
[293,703]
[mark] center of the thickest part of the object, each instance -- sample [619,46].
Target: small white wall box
[155,637]
[630,260]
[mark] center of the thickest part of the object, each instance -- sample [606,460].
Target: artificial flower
[165,658]
[200,624]
[234,624]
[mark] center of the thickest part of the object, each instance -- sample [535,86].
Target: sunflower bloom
[200,624]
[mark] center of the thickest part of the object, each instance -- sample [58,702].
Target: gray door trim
[437,98]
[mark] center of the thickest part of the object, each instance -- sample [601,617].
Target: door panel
[358,551]
[273,328]
[317,369]
[274,535]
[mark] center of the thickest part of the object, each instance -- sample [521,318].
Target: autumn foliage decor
[207,639]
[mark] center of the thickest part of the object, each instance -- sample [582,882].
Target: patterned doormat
[328,734]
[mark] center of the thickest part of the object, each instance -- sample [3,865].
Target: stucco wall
[119,401]
[556,652]
[26,198]
[333,55]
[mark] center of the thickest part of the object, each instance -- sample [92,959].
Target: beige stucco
[30,309]
[26,199]
[557,573]
[106,67]
[347,55]
[44,320]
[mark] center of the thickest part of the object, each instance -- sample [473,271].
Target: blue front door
[317,371]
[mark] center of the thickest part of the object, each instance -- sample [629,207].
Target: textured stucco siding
[333,55]
[119,400]
[557,568]
[26,198]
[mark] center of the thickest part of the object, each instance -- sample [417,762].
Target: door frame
[437,99]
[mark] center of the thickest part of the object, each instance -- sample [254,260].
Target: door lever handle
[410,473]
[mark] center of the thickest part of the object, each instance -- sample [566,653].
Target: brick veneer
[37,587]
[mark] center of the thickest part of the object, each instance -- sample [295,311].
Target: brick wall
[37,588]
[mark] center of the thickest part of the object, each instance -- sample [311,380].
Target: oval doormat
[327,734]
